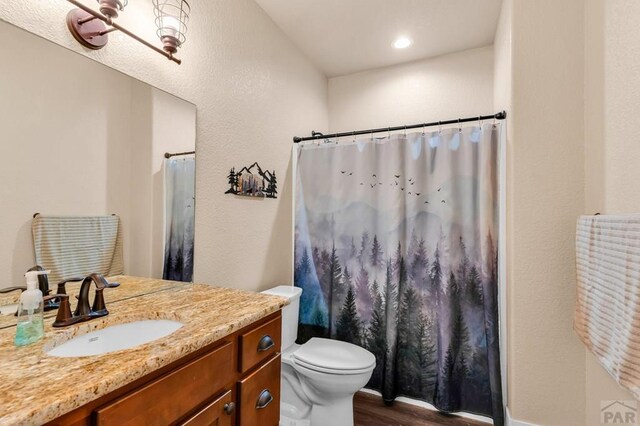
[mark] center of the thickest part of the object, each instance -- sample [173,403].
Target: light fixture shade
[111,8]
[172,17]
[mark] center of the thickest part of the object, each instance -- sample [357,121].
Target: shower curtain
[179,218]
[396,251]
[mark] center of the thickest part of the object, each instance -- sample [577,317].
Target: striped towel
[607,315]
[71,246]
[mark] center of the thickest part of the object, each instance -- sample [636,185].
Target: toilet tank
[289,312]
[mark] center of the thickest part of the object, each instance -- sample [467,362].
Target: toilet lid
[334,355]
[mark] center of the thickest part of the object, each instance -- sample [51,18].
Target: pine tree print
[376,252]
[335,286]
[364,248]
[348,325]
[364,299]
[474,287]
[407,361]
[376,339]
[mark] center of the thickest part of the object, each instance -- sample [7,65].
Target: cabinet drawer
[259,344]
[259,395]
[217,413]
[171,397]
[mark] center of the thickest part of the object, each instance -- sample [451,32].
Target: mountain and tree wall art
[253,181]
[396,251]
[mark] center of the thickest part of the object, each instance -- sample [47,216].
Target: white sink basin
[9,309]
[115,338]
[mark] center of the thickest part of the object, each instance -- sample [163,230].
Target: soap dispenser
[30,327]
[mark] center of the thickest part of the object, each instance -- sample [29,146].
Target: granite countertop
[37,388]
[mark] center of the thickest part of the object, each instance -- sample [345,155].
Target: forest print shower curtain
[179,213]
[396,251]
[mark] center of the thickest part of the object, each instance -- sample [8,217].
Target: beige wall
[73,152]
[253,89]
[448,86]
[545,170]
[612,148]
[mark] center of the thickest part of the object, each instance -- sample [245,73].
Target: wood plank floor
[369,410]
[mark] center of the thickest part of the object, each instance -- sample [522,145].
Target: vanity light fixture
[171,19]
[111,8]
[91,28]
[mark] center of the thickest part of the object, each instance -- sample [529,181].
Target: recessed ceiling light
[402,43]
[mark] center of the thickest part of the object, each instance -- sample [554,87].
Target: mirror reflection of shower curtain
[396,251]
[179,218]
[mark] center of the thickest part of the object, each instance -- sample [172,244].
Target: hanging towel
[71,246]
[607,315]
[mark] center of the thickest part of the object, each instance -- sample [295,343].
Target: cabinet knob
[265,343]
[264,399]
[229,408]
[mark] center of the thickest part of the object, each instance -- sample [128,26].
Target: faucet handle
[62,284]
[64,317]
[99,308]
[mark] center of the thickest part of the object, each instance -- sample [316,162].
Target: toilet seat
[328,371]
[333,357]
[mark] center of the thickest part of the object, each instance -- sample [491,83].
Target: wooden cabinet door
[169,398]
[217,413]
[259,395]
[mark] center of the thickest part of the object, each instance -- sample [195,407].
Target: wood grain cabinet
[235,381]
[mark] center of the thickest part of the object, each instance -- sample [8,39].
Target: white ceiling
[346,36]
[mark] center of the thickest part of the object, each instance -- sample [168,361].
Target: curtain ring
[424,125]
[388,132]
[372,136]
[354,136]
[405,130]
[439,127]
[459,128]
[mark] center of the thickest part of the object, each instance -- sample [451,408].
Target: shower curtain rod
[317,135]
[175,154]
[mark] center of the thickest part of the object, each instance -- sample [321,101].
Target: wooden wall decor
[252,181]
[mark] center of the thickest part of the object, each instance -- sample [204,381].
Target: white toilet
[320,377]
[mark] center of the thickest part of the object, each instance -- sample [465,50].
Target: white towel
[607,315]
[70,246]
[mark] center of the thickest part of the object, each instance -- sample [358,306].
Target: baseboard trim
[513,422]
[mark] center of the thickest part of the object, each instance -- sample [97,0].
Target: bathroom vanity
[221,367]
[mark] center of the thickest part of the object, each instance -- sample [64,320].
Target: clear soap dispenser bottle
[30,326]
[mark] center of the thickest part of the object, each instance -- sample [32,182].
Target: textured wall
[612,94]
[545,170]
[253,89]
[448,86]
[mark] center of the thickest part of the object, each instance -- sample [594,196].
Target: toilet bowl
[320,377]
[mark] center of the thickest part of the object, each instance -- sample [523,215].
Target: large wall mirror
[80,139]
